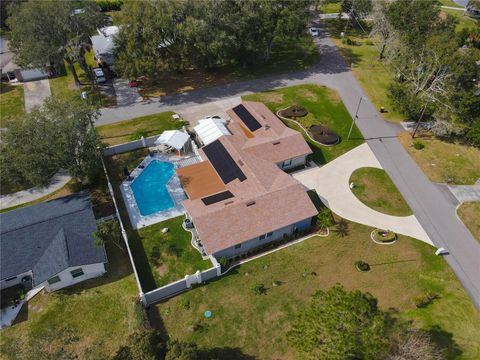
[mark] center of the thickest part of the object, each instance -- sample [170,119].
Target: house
[238,196]
[103,45]
[11,71]
[50,244]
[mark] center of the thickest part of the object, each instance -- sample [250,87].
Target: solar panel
[209,200]
[246,117]
[223,163]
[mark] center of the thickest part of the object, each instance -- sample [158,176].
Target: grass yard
[94,318]
[324,106]
[256,324]
[464,21]
[134,129]
[63,86]
[170,255]
[174,257]
[287,55]
[331,7]
[469,213]
[375,189]
[444,162]
[373,75]
[12,103]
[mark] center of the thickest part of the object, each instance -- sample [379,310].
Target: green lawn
[375,189]
[176,257]
[464,21]
[449,3]
[11,103]
[469,213]
[445,161]
[256,324]
[324,106]
[95,317]
[63,86]
[133,129]
[373,75]
[170,255]
[331,7]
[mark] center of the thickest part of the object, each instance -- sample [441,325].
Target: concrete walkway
[35,92]
[466,193]
[331,182]
[58,181]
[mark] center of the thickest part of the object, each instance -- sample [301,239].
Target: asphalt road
[433,210]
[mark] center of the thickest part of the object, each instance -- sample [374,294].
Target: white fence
[182,285]
[132,145]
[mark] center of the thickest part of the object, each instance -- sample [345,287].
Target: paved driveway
[125,94]
[331,182]
[435,213]
[35,92]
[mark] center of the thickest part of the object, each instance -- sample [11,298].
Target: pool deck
[173,186]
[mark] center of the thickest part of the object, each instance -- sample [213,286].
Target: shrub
[348,41]
[185,303]
[259,289]
[109,5]
[362,265]
[138,134]
[418,145]
[369,42]
[223,261]
[425,300]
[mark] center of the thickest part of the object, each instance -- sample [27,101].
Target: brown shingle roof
[274,141]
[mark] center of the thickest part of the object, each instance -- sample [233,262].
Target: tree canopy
[59,135]
[176,35]
[340,325]
[48,31]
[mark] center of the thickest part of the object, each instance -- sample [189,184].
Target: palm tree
[342,228]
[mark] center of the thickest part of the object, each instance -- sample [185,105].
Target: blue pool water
[149,188]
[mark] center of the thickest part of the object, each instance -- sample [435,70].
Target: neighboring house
[472,10]
[11,71]
[103,45]
[50,244]
[238,197]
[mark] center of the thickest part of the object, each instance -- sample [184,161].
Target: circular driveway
[331,182]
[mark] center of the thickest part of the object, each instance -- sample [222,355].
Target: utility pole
[355,118]
[419,120]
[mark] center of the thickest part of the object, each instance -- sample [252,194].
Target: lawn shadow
[225,353]
[117,268]
[22,315]
[444,340]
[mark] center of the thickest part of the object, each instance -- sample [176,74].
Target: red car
[133,83]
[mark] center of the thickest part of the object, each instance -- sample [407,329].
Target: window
[238,246]
[53,280]
[77,272]
[262,237]
[269,234]
[287,163]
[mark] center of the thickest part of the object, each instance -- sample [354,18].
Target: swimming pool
[150,190]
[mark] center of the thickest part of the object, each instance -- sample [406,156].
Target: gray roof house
[103,44]
[50,244]
[11,71]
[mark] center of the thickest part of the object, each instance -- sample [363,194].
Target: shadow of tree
[225,353]
[444,340]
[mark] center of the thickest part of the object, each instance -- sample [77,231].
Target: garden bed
[324,135]
[380,236]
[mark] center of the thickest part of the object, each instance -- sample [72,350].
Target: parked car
[133,83]
[314,31]
[99,75]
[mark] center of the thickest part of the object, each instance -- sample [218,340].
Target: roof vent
[250,203]
[267,126]
[228,203]
[240,162]
[276,142]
